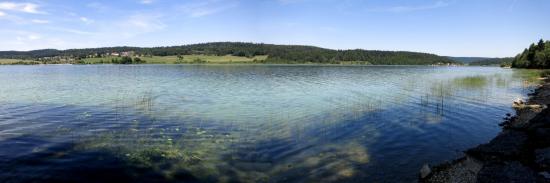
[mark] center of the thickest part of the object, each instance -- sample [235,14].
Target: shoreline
[255,63]
[519,153]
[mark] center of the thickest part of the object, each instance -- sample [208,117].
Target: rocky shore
[520,153]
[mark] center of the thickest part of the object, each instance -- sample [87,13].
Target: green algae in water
[472,82]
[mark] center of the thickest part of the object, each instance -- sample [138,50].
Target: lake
[245,123]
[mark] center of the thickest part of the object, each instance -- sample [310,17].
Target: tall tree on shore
[537,56]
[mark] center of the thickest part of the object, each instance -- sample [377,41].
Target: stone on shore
[425,171]
[517,102]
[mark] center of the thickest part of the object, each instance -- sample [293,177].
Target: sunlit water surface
[245,123]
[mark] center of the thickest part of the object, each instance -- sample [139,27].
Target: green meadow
[17,61]
[185,59]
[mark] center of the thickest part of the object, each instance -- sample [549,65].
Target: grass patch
[226,59]
[545,73]
[17,62]
[529,75]
[472,82]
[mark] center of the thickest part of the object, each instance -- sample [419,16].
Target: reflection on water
[245,123]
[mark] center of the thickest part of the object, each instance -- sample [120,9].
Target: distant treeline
[276,53]
[127,60]
[503,62]
[537,56]
[467,60]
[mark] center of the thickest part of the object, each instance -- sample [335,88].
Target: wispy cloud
[20,37]
[38,21]
[86,20]
[30,37]
[20,7]
[98,6]
[72,31]
[285,2]
[27,40]
[146,1]
[145,22]
[402,9]
[205,8]
[2,14]
[14,19]
[137,24]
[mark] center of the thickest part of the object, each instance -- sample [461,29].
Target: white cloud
[86,20]
[33,37]
[18,20]
[2,14]
[37,21]
[206,8]
[20,7]
[14,19]
[21,37]
[146,1]
[401,9]
[25,40]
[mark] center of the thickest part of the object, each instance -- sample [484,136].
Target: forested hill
[275,53]
[537,56]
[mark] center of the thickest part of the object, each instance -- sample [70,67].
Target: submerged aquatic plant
[471,82]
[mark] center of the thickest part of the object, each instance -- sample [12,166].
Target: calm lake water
[245,123]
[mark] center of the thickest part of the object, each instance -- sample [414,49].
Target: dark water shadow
[64,163]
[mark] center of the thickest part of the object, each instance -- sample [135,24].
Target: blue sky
[491,28]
